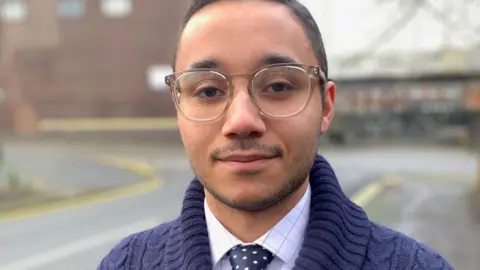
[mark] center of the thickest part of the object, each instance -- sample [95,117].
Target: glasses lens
[201,95]
[281,91]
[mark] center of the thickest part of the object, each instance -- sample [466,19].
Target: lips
[246,158]
[248,162]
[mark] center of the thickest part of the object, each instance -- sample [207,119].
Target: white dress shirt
[283,240]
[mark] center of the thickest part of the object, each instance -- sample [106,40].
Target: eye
[279,87]
[209,92]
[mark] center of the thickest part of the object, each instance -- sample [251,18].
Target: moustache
[245,145]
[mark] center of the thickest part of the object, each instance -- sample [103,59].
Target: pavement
[77,238]
[50,167]
[435,210]
[76,234]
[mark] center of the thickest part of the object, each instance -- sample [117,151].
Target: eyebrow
[207,63]
[272,59]
[268,59]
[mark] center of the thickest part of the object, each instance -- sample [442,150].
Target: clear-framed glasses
[278,91]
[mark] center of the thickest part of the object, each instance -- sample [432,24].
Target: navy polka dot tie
[250,257]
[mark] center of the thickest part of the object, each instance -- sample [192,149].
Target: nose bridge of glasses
[240,87]
[245,78]
[239,82]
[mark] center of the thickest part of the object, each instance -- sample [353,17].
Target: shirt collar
[283,240]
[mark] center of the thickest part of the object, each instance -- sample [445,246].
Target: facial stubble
[293,182]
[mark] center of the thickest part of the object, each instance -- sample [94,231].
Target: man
[252,95]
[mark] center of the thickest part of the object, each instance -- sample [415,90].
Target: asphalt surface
[65,168]
[78,238]
[435,211]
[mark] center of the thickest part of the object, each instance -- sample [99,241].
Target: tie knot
[250,257]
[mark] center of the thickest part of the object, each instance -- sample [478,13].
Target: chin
[250,193]
[248,199]
[250,203]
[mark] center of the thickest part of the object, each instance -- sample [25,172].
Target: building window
[13,10]
[71,9]
[3,96]
[116,8]
[156,77]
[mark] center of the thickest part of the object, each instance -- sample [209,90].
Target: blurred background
[90,152]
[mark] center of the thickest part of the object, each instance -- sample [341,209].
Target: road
[78,238]
[53,165]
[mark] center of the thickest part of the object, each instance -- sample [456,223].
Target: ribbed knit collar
[336,237]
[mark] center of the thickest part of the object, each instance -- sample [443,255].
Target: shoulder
[389,249]
[142,248]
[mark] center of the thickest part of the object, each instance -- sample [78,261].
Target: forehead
[238,35]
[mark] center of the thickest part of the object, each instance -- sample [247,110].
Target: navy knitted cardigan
[339,235]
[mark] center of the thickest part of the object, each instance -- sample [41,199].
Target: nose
[243,120]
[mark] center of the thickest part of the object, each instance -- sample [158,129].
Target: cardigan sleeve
[426,258]
[117,257]
[139,250]
[389,249]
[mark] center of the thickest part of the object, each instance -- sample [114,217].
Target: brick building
[80,59]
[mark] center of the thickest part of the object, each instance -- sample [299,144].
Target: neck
[248,226]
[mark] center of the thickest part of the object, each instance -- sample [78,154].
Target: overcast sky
[350,26]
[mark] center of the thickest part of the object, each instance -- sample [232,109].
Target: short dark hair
[302,13]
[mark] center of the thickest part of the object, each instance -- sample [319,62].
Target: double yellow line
[150,182]
[107,124]
[372,190]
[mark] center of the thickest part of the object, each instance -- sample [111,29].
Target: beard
[261,203]
[291,181]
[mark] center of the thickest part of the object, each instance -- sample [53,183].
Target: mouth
[246,158]
[248,162]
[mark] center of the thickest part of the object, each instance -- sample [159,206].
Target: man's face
[238,36]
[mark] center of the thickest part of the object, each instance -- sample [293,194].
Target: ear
[328,106]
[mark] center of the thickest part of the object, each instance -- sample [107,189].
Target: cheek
[307,124]
[300,134]
[197,139]
[297,134]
